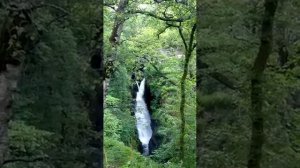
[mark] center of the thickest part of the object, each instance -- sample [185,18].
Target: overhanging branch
[110,5]
[26,160]
[191,46]
[57,18]
[162,31]
[223,80]
[162,74]
[159,17]
[41,159]
[55,7]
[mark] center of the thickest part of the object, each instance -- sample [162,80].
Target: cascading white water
[143,120]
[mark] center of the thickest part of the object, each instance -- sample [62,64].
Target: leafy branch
[182,19]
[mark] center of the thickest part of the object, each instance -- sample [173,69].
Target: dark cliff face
[148,97]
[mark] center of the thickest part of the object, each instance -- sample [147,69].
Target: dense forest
[248,83]
[149,83]
[49,84]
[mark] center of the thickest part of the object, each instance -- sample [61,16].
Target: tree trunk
[115,36]
[257,136]
[182,103]
[188,53]
[114,39]
[118,24]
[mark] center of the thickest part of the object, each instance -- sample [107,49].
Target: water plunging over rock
[143,120]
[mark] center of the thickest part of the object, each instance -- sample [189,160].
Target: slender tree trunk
[188,53]
[257,136]
[182,103]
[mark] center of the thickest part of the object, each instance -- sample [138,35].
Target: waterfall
[143,120]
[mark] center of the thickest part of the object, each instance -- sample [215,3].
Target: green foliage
[145,41]
[118,103]
[53,101]
[228,38]
[217,100]
[29,141]
[112,126]
[119,155]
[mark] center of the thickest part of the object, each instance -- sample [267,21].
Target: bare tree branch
[223,80]
[162,31]
[55,19]
[182,37]
[55,7]
[111,5]
[191,46]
